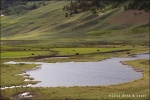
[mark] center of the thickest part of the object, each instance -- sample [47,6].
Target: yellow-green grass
[20,48]
[49,23]
[91,54]
[137,88]
[13,54]
[73,51]
[96,53]
[9,77]
[85,54]
[132,49]
[29,21]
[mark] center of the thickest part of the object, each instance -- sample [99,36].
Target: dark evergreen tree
[34,6]
[66,15]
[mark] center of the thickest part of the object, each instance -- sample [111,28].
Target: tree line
[78,6]
[95,6]
[6,3]
[138,5]
[8,7]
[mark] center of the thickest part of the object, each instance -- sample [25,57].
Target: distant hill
[48,22]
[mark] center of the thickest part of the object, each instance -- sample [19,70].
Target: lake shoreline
[122,62]
[130,87]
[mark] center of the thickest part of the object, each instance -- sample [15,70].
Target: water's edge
[134,57]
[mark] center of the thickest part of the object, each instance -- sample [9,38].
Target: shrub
[128,53]
[77,53]
[66,15]
[34,6]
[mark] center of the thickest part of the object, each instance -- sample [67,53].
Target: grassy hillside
[46,35]
[49,23]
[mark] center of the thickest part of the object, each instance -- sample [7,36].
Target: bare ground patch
[132,17]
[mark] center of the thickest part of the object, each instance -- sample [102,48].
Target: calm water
[106,72]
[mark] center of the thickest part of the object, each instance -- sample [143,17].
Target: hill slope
[49,23]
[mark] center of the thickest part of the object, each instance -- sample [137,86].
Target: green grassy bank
[138,89]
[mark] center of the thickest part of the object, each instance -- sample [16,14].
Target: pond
[101,73]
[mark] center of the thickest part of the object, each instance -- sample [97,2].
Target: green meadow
[45,32]
[23,54]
